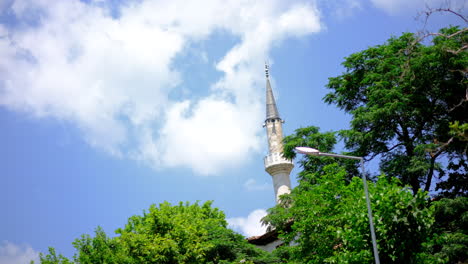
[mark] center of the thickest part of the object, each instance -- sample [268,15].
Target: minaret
[275,164]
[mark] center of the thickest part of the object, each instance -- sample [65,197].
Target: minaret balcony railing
[274,159]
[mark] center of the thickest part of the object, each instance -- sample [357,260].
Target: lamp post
[315,152]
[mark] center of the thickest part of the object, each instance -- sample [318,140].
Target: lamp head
[307,151]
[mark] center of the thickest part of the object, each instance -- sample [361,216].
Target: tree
[329,216]
[324,142]
[184,233]
[407,101]
[449,241]
[331,224]
[52,258]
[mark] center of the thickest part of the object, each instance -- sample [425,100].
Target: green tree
[449,241]
[329,216]
[407,100]
[183,233]
[330,223]
[100,249]
[313,165]
[52,258]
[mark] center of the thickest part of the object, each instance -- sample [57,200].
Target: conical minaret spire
[275,164]
[271,109]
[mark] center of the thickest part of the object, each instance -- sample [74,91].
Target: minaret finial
[266,69]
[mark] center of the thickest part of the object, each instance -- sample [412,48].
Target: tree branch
[430,175]
[434,156]
[431,11]
[461,102]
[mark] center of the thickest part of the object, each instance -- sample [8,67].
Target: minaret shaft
[275,135]
[275,164]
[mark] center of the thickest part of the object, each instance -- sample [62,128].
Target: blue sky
[109,106]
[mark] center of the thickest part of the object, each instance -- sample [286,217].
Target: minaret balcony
[275,159]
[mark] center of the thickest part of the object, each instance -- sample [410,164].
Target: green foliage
[100,249]
[403,221]
[403,97]
[452,214]
[450,240]
[323,141]
[459,130]
[308,136]
[184,233]
[331,223]
[408,105]
[52,258]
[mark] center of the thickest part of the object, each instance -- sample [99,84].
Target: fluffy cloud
[252,185]
[250,225]
[15,254]
[341,9]
[111,73]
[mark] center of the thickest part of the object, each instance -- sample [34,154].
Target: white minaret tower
[275,164]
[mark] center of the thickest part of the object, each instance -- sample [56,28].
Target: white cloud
[340,9]
[211,132]
[17,254]
[252,185]
[112,76]
[347,8]
[250,225]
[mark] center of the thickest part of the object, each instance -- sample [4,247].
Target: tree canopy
[408,99]
[409,105]
[330,223]
[183,233]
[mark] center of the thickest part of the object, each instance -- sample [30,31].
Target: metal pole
[369,212]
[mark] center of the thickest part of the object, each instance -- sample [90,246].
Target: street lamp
[316,152]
